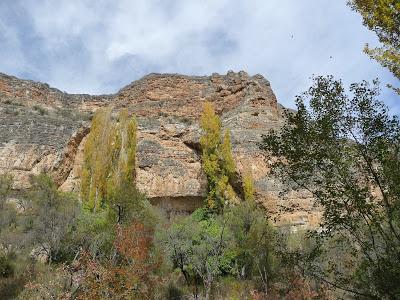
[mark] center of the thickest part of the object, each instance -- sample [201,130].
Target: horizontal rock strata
[44,130]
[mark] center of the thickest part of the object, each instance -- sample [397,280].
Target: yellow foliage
[125,148]
[109,157]
[248,186]
[97,159]
[217,160]
[226,150]
[382,17]
[211,126]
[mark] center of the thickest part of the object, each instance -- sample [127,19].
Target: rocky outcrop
[43,130]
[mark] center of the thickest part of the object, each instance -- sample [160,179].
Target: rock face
[44,130]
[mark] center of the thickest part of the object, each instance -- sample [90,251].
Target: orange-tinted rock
[43,130]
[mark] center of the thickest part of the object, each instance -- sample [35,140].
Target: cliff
[43,130]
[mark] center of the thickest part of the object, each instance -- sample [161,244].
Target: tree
[109,157]
[201,248]
[127,203]
[217,160]
[127,275]
[382,17]
[255,241]
[95,232]
[124,151]
[248,186]
[6,181]
[7,211]
[54,215]
[345,151]
[97,160]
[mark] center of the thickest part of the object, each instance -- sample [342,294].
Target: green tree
[201,248]
[255,240]
[217,160]
[382,17]
[54,215]
[7,210]
[345,151]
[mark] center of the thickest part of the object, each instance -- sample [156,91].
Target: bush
[6,267]
[42,111]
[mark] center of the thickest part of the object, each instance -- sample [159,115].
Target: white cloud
[98,46]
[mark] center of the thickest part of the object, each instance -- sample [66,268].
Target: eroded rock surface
[43,130]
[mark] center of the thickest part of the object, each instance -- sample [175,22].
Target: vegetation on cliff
[343,147]
[97,163]
[217,160]
[124,248]
[109,157]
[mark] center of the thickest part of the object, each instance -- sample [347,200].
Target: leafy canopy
[345,150]
[382,17]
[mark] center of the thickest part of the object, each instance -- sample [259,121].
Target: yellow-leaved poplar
[217,160]
[109,157]
[97,159]
[248,186]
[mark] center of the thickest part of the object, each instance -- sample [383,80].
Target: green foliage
[255,241]
[15,271]
[344,150]
[95,234]
[382,17]
[6,181]
[126,203]
[6,267]
[199,249]
[240,243]
[217,160]
[54,215]
[7,210]
[40,229]
[51,226]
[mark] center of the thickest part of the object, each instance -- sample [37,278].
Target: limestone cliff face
[44,130]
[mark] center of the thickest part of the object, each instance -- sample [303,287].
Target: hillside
[43,130]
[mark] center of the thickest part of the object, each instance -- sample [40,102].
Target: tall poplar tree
[217,160]
[109,158]
[97,160]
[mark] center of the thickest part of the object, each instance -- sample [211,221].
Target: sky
[99,46]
